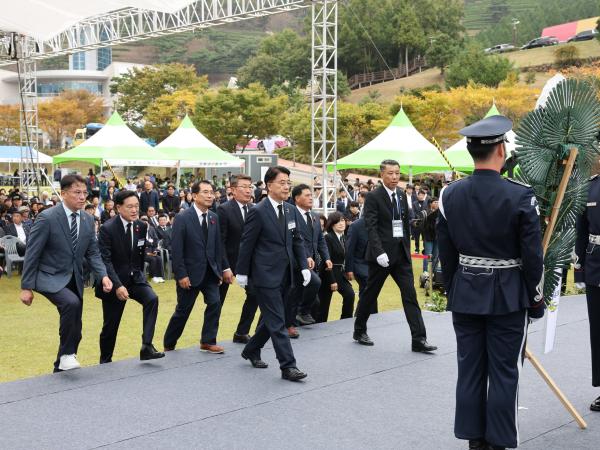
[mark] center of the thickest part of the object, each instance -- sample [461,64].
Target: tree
[408,32]
[165,114]
[90,104]
[60,117]
[442,51]
[283,58]
[472,65]
[497,10]
[137,89]
[9,124]
[232,116]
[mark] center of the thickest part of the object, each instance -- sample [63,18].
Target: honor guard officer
[587,273]
[490,246]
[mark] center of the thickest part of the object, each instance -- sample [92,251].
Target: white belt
[489,263]
[595,239]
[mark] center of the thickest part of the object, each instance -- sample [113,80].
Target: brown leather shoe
[212,348]
[293,333]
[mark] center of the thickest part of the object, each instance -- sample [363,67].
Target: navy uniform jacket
[314,243]
[488,216]
[123,267]
[587,267]
[232,226]
[191,256]
[356,248]
[266,250]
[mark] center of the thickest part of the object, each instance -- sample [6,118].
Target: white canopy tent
[13,154]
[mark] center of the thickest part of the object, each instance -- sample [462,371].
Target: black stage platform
[381,397]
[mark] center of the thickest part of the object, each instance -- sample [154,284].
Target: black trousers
[300,299]
[248,308]
[402,274]
[593,302]
[272,325]
[185,302]
[112,309]
[417,236]
[70,307]
[362,285]
[489,353]
[325,295]
[155,265]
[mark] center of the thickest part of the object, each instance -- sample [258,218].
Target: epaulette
[593,177]
[520,183]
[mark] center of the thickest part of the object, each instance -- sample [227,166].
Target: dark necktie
[395,213]
[281,217]
[309,221]
[128,237]
[74,231]
[205,227]
[245,208]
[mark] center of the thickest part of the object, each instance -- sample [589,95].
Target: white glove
[580,285]
[242,280]
[383,260]
[306,277]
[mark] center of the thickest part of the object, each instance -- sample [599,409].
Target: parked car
[540,42]
[586,35]
[500,48]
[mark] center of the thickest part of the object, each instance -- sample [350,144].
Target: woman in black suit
[335,280]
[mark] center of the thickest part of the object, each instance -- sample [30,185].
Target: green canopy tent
[190,148]
[459,156]
[116,145]
[399,141]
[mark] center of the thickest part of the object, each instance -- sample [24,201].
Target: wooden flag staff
[546,242]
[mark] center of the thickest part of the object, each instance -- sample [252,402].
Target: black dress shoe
[241,338]
[292,374]
[362,338]
[149,352]
[477,444]
[257,363]
[595,406]
[494,447]
[422,347]
[305,319]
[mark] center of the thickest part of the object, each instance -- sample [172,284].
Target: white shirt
[199,212]
[275,206]
[303,213]
[241,206]
[390,192]
[68,212]
[21,233]
[124,222]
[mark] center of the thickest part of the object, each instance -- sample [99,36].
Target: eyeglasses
[77,193]
[244,186]
[207,192]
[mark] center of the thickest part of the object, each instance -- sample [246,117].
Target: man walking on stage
[490,246]
[122,242]
[388,253]
[271,246]
[60,239]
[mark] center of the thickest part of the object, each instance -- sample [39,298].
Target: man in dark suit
[342,201]
[197,265]
[232,217]
[122,242]
[302,298]
[17,228]
[356,248]
[388,253]
[271,245]
[171,201]
[419,211]
[148,197]
[60,239]
[164,232]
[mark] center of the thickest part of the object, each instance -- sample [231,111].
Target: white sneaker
[69,362]
[161,280]
[155,280]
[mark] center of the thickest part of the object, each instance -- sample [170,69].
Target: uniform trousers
[362,285]
[272,325]
[185,302]
[300,299]
[489,353]
[113,308]
[70,307]
[593,302]
[248,309]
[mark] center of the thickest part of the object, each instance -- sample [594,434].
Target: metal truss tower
[324,98]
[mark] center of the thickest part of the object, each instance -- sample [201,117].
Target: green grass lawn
[29,335]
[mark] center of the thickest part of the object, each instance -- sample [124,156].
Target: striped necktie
[74,231]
